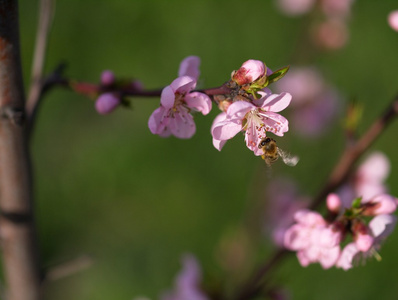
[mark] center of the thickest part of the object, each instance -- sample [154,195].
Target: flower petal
[182,125]
[225,130]
[199,101]
[382,225]
[167,97]
[190,67]
[275,123]
[277,102]
[218,144]
[158,121]
[238,109]
[183,84]
[347,256]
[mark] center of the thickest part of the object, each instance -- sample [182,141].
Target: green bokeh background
[106,187]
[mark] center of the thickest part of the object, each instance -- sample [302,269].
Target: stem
[37,82]
[20,259]
[337,177]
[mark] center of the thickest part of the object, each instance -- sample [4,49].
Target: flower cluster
[251,108]
[246,102]
[367,220]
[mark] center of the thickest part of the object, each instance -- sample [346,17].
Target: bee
[272,152]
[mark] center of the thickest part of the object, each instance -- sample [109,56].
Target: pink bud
[364,242]
[106,103]
[333,203]
[107,77]
[393,20]
[250,71]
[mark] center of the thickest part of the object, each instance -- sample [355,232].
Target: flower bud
[333,203]
[249,72]
[393,20]
[107,77]
[106,103]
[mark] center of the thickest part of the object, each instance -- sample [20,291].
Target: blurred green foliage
[105,186]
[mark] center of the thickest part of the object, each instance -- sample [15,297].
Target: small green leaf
[356,203]
[278,74]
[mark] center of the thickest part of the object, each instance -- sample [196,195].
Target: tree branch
[37,83]
[337,177]
[20,259]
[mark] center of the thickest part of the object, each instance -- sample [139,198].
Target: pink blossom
[284,202]
[315,103]
[249,72]
[187,282]
[106,103]
[295,7]
[393,20]
[370,176]
[332,34]
[107,77]
[254,118]
[337,8]
[380,227]
[177,102]
[313,239]
[380,205]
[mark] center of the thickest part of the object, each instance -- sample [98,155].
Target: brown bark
[19,252]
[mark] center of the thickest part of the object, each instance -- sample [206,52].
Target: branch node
[15,115]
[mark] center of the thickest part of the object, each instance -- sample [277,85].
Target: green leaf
[356,203]
[278,74]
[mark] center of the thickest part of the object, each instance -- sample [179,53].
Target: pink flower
[393,20]
[313,239]
[249,72]
[295,7]
[106,103]
[177,102]
[380,227]
[370,176]
[187,282]
[368,180]
[284,202]
[380,205]
[254,118]
[333,203]
[315,104]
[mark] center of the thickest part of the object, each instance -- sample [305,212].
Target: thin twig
[337,177]
[36,86]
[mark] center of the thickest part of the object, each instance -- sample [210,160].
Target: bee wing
[287,158]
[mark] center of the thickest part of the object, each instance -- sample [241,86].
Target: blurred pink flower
[393,19]
[337,8]
[380,227]
[313,239]
[249,72]
[187,282]
[254,118]
[283,202]
[177,102]
[368,180]
[314,104]
[295,7]
[331,34]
